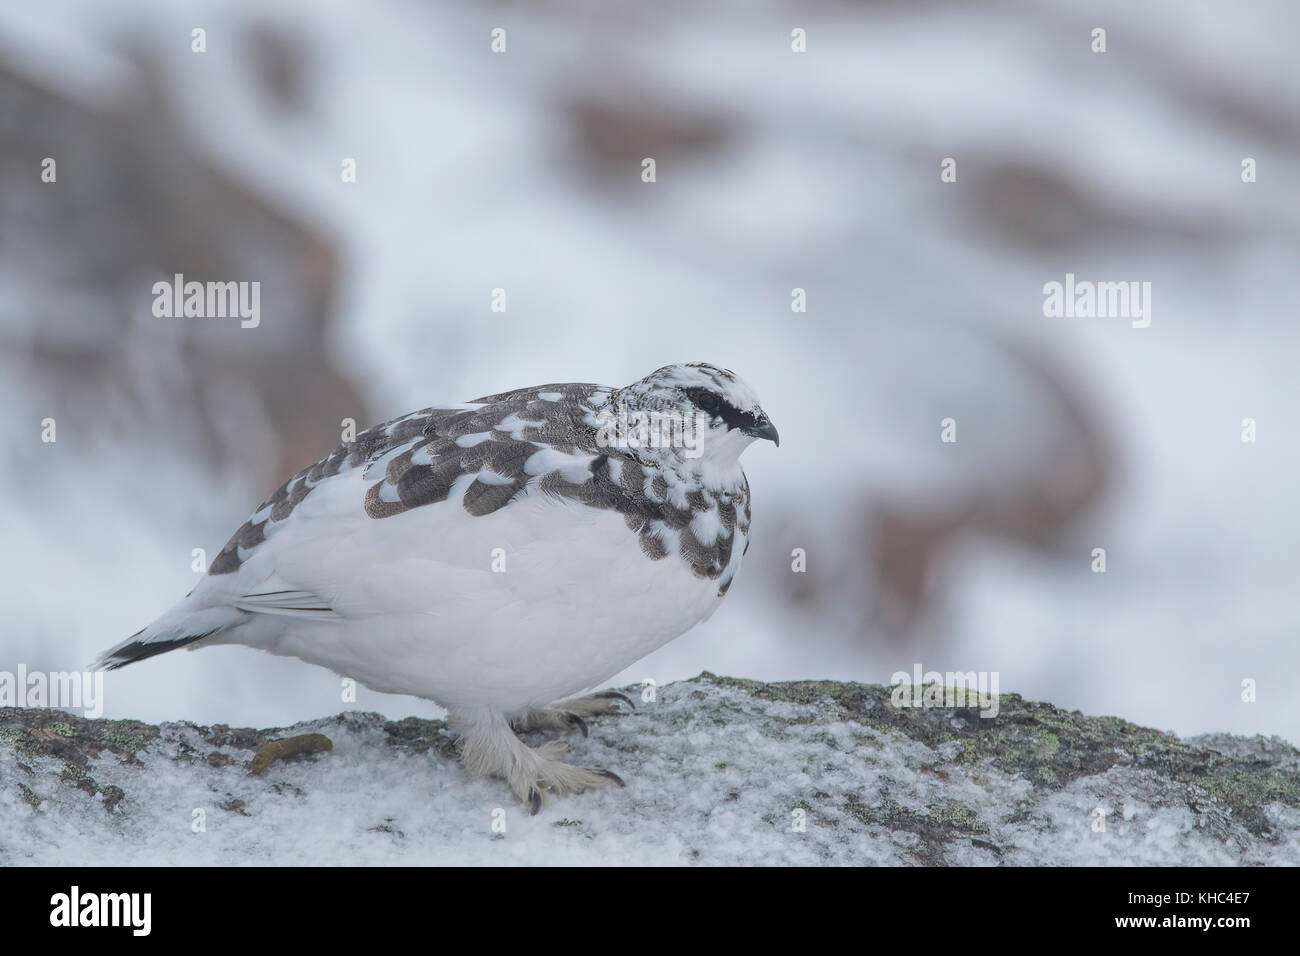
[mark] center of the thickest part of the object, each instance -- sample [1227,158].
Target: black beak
[764,429]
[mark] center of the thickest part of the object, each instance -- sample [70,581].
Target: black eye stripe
[735,418]
[730,414]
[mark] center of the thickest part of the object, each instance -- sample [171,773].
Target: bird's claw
[576,721]
[609,775]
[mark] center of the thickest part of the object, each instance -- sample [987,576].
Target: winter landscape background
[775,171]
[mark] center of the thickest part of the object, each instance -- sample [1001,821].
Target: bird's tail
[181,626]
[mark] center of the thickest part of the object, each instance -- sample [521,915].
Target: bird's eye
[707,401]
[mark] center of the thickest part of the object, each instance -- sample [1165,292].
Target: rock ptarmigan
[495,557]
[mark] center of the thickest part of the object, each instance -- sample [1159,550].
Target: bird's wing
[276,596]
[289,557]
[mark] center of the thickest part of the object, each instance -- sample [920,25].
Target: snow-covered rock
[718,771]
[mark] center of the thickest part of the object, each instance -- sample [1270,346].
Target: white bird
[495,557]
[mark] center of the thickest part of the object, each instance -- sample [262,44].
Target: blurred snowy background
[775,171]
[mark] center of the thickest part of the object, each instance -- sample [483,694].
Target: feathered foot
[489,747]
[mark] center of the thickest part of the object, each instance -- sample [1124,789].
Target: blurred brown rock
[138,199]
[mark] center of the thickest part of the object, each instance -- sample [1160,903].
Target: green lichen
[36,733]
[414,735]
[936,829]
[797,721]
[1048,746]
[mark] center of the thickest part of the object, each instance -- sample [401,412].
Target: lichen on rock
[720,770]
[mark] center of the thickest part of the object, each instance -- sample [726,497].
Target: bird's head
[696,416]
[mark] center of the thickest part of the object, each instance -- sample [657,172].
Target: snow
[717,773]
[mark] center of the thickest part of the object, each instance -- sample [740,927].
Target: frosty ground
[718,771]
